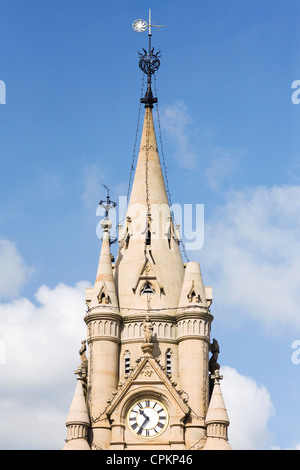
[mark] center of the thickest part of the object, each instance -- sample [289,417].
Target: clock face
[147,418]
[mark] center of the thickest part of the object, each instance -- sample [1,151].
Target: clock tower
[148,376]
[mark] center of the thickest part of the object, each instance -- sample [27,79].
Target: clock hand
[141,428]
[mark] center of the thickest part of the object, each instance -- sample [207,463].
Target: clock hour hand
[143,414]
[146,420]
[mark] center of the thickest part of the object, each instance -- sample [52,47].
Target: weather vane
[141,25]
[108,204]
[149,62]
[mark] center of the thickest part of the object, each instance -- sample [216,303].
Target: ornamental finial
[149,62]
[107,205]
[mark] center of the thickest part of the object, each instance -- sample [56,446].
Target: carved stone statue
[82,352]
[82,369]
[148,329]
[215,350]
[147,346]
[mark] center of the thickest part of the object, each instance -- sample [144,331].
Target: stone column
[103,341]
[193,349]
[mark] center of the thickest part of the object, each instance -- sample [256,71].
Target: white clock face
[147,418]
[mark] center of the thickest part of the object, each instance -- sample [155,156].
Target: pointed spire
[103,293]
[147,235]
[149,232]
[78,413]
[148,174]
[77,422]
[193,295]
[217,420]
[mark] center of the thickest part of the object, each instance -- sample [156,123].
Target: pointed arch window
[103,297]
[147,289]
[148,236]
[193,295]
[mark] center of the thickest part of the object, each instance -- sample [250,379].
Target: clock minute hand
[146,420]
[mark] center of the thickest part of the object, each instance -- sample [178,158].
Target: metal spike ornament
[149,62]
[107,205]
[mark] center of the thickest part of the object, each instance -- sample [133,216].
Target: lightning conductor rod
[149,31]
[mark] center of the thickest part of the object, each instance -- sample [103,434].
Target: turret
[78,421]
[217,420]
[194,325]
[103,323]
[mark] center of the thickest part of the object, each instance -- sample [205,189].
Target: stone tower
[148,380]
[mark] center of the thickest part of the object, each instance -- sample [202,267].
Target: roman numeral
[147,433]
[135,425]
[147,403]
[160,425]
[140,405]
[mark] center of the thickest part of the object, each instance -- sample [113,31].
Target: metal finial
[108,204]
[141,25]
[149,62]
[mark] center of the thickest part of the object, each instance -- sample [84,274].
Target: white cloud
[252,253]
[13,270]
[194,146]
[223,165]
[178,123]
[27,426]
[249,407]
[92,186]
[42,341]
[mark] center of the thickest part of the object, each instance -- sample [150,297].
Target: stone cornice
[106,314]
[103,338]
[155,317]
[195,336]
[185,314]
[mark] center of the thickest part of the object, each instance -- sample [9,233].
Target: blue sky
[230,141]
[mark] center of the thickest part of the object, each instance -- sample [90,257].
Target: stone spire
[103,294]
[194,296]
[149,254]
[217,420]
[77,422]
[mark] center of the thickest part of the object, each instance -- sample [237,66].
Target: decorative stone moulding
[162,330]
[194,327]
[102,325]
